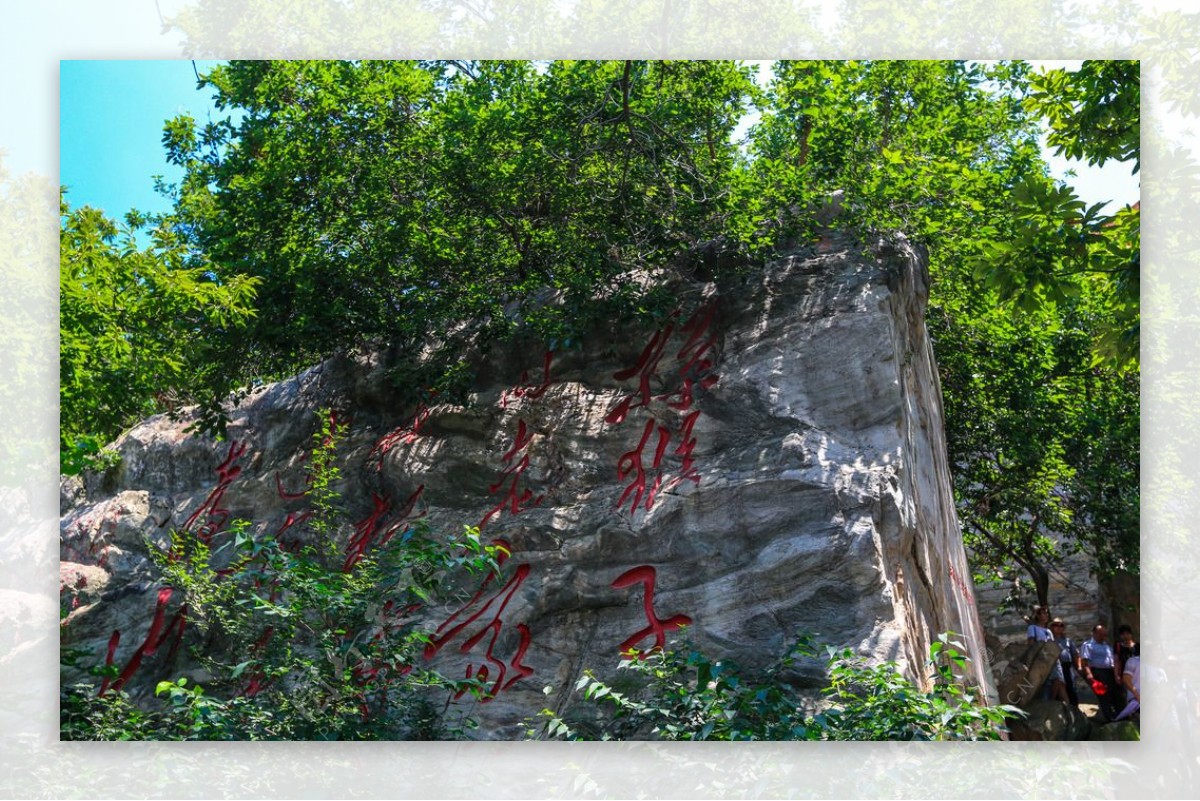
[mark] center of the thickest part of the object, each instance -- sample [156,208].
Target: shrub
[301,642]
[669,696]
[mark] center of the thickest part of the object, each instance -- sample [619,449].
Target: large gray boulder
[770,465]
[1023,668]
[1051,720]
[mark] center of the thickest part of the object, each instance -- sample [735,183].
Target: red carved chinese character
[447,633]
[291,496]
[113,641]
[631,463]
[696,361]
[515,502]
[687,470]
[293,519]
[154,638]
[645,575]
[405,516]
[404,435]
[695,366]
[528,390]
[365,529]
[217,515]
[647,366]
[370,527]
[502,668]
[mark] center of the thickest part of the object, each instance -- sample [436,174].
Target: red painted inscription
[657,628]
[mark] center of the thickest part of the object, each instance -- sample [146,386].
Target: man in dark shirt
[1068,659]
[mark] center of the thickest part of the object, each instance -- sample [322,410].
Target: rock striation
[769,462]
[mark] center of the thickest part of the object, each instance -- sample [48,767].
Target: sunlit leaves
[384,202]
[1058,245]
[136,325]
[1093,112]
[923,147]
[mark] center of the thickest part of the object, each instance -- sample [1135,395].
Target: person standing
[1132,679]
[1039,631]
[1039,625]
[1098,662]
[1126,647]
[1067,659]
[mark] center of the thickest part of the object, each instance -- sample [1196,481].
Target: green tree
[1046,434]
[137,326]
[928,148]
[1031,290]
[1043,445]
[1059,244]
[395,202]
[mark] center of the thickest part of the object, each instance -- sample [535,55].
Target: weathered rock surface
[1023,669]
[1051,720]
[772,465]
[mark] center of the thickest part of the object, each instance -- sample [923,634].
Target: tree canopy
[390,201]
[358,204]
[137,326]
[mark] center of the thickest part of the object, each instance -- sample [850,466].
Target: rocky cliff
[769,462]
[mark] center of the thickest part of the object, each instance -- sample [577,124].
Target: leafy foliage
[1060,247]
[1033,309]
[300,645]
[675,697]
[873,702]
[137,326]
[114,716]
[392,202]
[1093,112]
[1044,446]
[924,147]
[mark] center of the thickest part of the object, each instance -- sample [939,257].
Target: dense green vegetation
[341,206]
[297,643]
[666,695]
[138,326]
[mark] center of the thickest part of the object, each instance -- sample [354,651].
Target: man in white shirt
[1098,663]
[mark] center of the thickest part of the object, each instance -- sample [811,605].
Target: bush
[302,641]
[669,696]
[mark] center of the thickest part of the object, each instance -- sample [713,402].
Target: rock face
[1051,720]
[1023,670]
[769,462]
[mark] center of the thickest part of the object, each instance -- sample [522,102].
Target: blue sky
[112,114]
[1114,183]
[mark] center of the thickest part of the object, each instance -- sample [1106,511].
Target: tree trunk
[1041,582]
